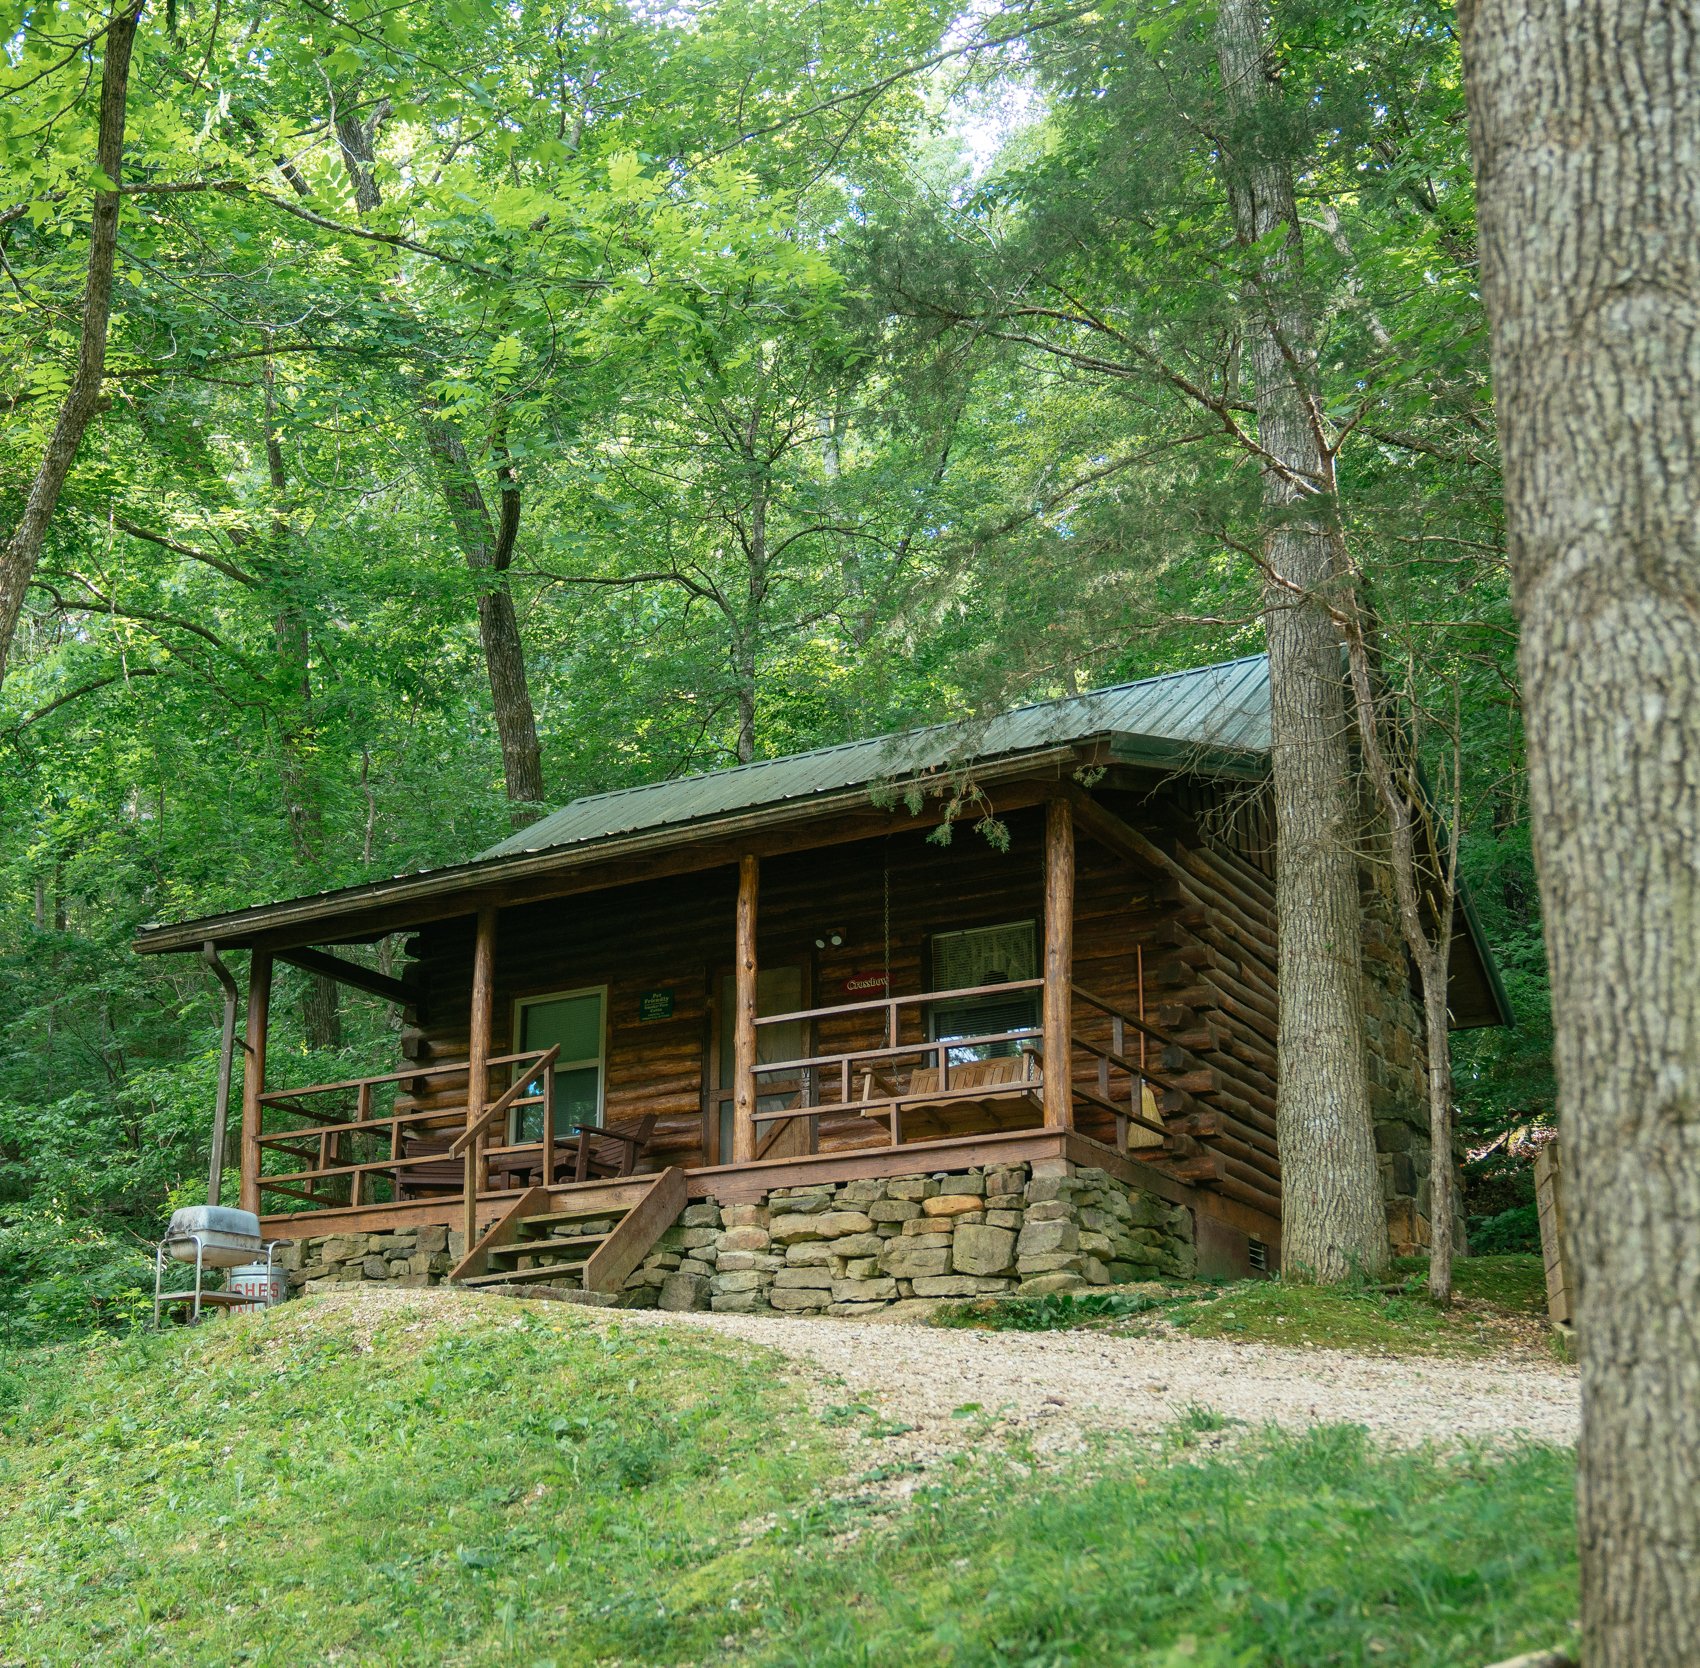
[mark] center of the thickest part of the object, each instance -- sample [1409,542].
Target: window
[985,956]
[574,1019]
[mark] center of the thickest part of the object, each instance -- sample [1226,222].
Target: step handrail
[500,1105]
[635,1234]
[503,1231]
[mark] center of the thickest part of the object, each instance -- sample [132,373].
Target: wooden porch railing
[1116,1046]
[329,1142]
[1117,1055]
[848,1068]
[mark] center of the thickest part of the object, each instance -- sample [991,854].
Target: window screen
[985,956]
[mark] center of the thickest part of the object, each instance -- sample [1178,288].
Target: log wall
[1197,924]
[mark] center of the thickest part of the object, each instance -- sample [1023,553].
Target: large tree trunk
[1585,125]
[488,548]
[1332,1216]
[82,398]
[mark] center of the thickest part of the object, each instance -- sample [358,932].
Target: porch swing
[986,1043]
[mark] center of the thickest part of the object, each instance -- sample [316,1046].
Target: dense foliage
[776,373]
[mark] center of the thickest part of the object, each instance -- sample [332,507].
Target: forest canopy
[505,404]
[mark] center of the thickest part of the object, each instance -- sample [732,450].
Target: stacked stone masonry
[856,1248]
[404,1258]
[846,1248]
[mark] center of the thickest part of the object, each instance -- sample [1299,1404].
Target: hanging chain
[884,868]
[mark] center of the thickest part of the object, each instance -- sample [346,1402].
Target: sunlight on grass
[479,1482]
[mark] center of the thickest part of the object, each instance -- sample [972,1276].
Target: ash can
[264,1285]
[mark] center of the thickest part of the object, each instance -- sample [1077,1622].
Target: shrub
[59,1278]
[1517,1229]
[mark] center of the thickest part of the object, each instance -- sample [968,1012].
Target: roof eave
[1195,758]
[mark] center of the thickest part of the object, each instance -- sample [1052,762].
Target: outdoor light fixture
[833,938]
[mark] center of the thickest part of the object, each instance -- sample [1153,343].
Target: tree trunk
[1585,123]
[1332,1218]
[1442,1184]
[744,669]
[358,141]
[321,1018]
[488,549]
[1421,873]
[82,398]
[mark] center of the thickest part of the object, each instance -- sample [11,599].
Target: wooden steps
[586,1237]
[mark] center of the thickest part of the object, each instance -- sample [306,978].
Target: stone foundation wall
[856,1248]
[846,1248]
[406,1257]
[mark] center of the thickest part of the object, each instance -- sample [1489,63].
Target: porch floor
[746,1183]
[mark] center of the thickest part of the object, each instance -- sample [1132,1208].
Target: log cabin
[983,1006]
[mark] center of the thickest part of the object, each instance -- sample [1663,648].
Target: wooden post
[254,1077]
[549,1128]
[477,1056]
[1059,963]
[744,1014]
[357,1145]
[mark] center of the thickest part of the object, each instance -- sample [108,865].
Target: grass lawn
[1283,1552]
[1501,1305]
[513,1489]
[483,1482]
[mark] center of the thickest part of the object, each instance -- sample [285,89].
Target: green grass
[1390,1318]
[271,1494]
[1294,1552]
[1057,1310]
[526,1487]
[1513,1280]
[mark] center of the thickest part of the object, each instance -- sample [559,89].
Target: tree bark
[488,548]
[1423,875]
[82,398]
[1585,126]
[1332,1217]
[744,672]
[358,140]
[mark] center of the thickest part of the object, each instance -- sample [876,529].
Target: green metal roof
[1209,718]
[1215,713]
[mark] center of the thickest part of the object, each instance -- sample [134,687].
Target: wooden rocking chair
[604,1150]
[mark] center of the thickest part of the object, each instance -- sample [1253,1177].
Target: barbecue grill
[210,1236]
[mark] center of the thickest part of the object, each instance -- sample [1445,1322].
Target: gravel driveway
[1063,1384]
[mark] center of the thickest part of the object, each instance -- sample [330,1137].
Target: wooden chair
[1010,1097]
[604,1150]
[446,1176]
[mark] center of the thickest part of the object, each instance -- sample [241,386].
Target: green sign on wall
[655,1004]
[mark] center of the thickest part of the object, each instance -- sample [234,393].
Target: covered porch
[678,1053]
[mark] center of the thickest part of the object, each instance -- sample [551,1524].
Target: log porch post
[1059,963]
[477,1058]
[744,1013]
[254,1077]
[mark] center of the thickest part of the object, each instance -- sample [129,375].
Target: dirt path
[1062,1384]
